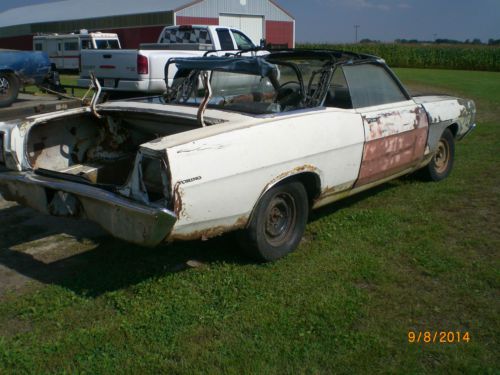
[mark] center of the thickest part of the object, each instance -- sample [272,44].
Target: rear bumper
[121,217]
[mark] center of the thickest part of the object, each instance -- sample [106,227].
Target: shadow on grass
[105,264]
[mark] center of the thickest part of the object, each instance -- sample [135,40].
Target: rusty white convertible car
[236,143]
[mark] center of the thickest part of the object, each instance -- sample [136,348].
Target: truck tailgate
[110,64]
[158,60]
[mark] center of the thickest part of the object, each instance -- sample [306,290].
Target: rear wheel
[278,222]
[442,163]
[9,88]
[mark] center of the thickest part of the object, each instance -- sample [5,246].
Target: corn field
[468,57]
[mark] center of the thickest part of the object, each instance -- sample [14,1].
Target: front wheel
[278,222]
[442,163]
[9,88]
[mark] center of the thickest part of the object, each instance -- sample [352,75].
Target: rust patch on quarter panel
[177,195]
[289,173]
[384,156]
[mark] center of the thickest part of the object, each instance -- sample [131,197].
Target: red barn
[141,21]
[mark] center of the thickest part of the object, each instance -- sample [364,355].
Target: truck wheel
[441,164]
[278,222]
[9,88]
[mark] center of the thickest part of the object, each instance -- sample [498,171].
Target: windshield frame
[312,93]
[181,93]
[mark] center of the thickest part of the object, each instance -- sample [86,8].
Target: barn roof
[77,9]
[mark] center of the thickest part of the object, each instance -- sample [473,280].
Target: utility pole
[356,27]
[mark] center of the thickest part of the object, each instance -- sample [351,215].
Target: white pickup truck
[142,70]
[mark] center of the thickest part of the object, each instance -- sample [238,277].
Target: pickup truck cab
[142,70]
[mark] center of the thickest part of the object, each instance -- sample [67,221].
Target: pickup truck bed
[130,70]
[142,70]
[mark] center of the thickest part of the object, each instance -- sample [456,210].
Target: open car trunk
[96,151]
[95,168]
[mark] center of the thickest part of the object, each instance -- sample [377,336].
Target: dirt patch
[15,326]
[36,247]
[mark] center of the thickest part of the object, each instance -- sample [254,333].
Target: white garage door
[253,26]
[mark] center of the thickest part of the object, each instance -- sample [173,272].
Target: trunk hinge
[205,80]
[95,98]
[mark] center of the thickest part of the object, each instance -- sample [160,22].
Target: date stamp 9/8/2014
[438,337]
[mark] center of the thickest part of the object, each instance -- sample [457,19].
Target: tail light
[142,64]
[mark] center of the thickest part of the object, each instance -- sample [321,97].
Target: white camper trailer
[64,49]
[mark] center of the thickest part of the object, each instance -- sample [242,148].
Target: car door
[395,126]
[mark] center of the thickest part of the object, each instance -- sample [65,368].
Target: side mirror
[263,43]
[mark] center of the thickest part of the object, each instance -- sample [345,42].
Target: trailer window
[107,44]
[86,44]
[38,47]
[71,46]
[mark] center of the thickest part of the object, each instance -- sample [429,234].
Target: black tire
[9,89]
[278,222]
[442,163]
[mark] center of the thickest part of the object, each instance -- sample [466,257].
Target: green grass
[406,256]
[66,79]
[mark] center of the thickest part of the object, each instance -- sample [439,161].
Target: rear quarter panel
[218,180]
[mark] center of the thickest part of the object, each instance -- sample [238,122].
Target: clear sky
[334,20]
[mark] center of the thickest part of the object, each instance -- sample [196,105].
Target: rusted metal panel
[214,231]
[386,156]
[396,140]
